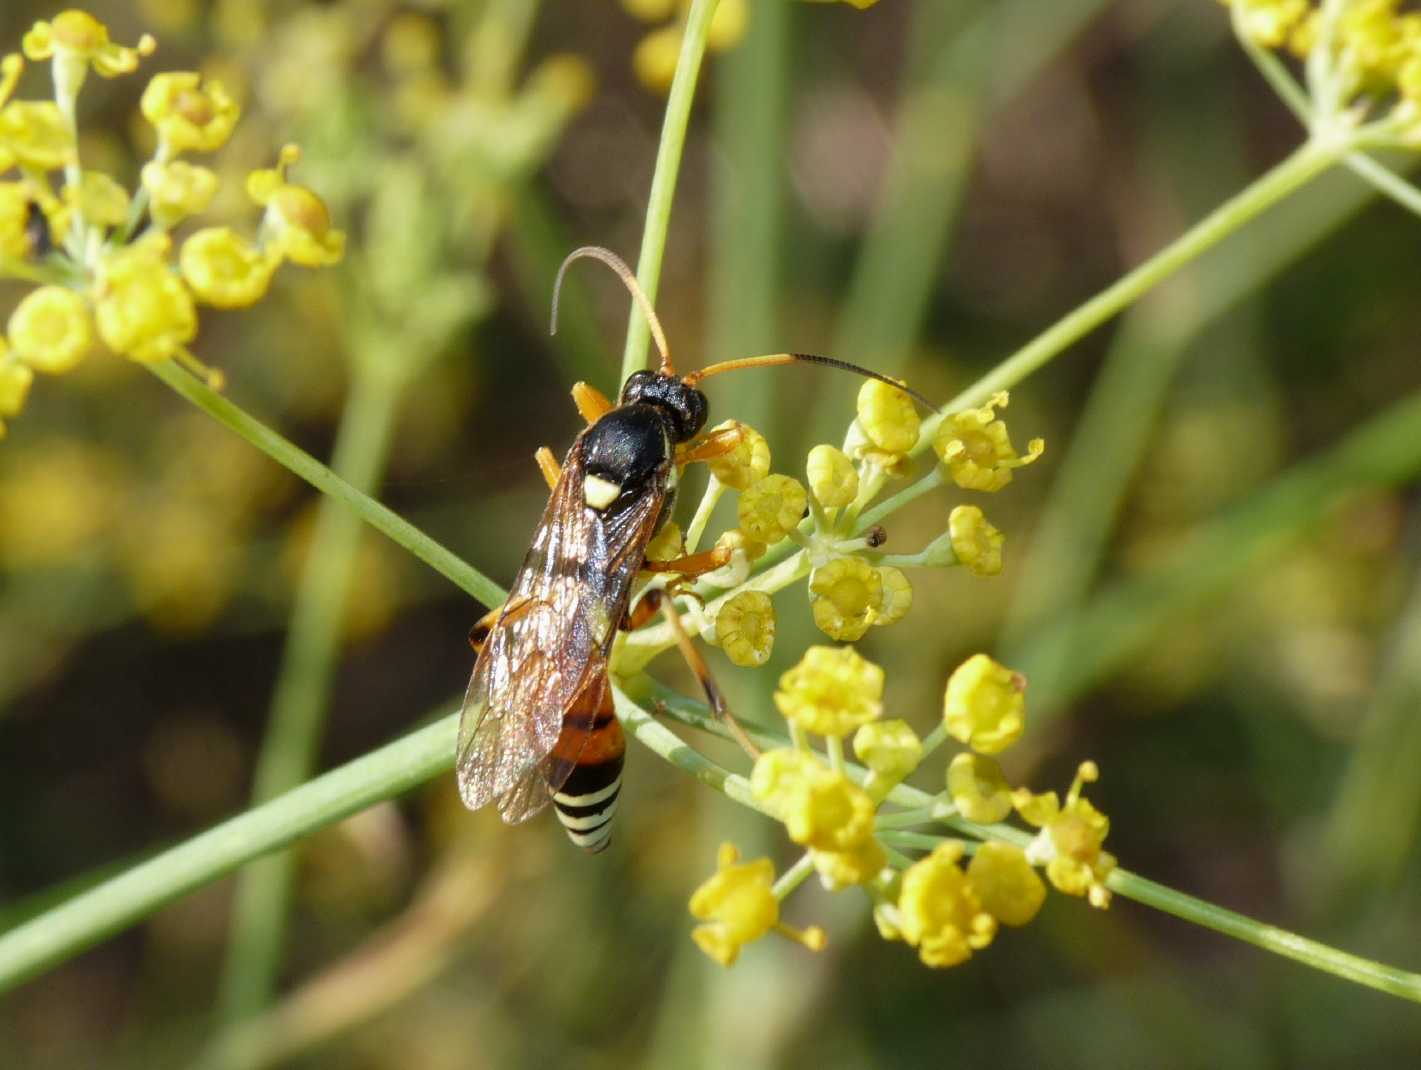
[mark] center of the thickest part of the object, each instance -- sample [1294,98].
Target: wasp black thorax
[630,446]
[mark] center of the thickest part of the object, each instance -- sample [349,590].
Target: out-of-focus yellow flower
[181,565]
[737,905]
[940,913]
[99,200]
[727,26]
[410,45]
[984,705]
[819,807]
[177,189]
[844,596]
[832,476]
[296,219]
[188,113]
[224,270]
[15,380]
[1006,884]
[771,508]
[745,628]
[978,788]
[35,134]
[897,597]
[76,37]
[649,10]
[976,543]
[667,544]
[1071,838]
[143,310]
[50,329]
[977,450]
[14,220]
[844,869]
[891,749]
[747,463]
[1269,22]
[888,417]
[654,59]
[58,504]
[831,692]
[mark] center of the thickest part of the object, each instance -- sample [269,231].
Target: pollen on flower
[976,543]
[984,705]
[940,913]
[844,597]
[831,692]
[224,270]
[833,480]
[177,189]
[745,628]
[888,417]
[1006,883]
[737,903]
[1071,838]
[977,450]
[978,788]
[897,596]
[143,310]
[188,113]
[50,329]
[747,463]
[890,748]
[771,508]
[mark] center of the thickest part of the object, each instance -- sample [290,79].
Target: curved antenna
[617,264]
[772,359]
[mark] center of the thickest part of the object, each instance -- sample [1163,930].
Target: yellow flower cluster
[943,905]
[654,60]
[103,281]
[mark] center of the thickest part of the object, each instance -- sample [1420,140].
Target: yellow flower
[1006,884]
[745,628]
[832,477]
[667,544]
[15,380]
[984,705]
[14,220]
[224,270]
[891,749]
[34,134]
[78,37]
[897,597]
[654,59]
[976,543]
[736,903]
[296,219]
[50,329]
[187,113]
[888,417]
[747,463]
[727,25]
[143,310]
[98,199]
[1070,840]
[177,189]
[940,913]
[978,788]
[771,508]
[1269,22]
[843,869]
[820,808]
[831,692]
[977,450]
[844,596]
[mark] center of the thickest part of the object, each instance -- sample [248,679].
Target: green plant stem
[298,461]
[1305,163]
[663,181]
[122,900]
[308,664]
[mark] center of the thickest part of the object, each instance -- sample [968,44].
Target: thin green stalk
[308,664]
[663,181]
[297,460]
[116,903]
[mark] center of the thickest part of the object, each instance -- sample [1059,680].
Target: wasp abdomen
[587,800]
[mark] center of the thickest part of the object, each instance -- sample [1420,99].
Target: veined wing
[551,638]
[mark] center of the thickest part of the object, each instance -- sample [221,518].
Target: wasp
[537,724]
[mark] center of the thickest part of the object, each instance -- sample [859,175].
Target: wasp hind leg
[655,600]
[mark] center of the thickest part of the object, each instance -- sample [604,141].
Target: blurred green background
[1211,578]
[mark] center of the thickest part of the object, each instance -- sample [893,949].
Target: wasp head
[684,407]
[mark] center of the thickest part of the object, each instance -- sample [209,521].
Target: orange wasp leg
[692,564]
[479,632]
[716,444]
[591,403]
[645,609]
[548,465]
